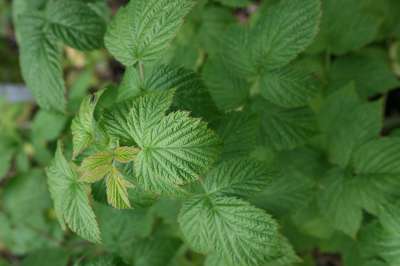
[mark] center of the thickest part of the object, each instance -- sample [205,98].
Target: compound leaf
[117,190]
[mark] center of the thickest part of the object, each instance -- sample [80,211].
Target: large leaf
[142,30]
[348,122]
[288,87]
[40,57]
[242,178]
[235,230]
[285,128]
[175,149]
[286,30]
[76,24]
[338,17]
[71,198]
[178,149]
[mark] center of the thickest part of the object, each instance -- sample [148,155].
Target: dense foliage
[242,133]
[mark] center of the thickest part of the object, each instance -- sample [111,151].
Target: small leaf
[83,125]
[117,192]
[71,198]
[125,154]
[96,166]
[142,30]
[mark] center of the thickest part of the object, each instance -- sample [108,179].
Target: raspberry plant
[257,141]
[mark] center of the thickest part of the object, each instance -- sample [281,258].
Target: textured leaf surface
[117,190]
[237,231]
[40,59]
[142,30]
[241,178]
[132,119]
[175,149]
[285,128]
[178,149]
[71,199]
[286,30]
[76,24]
[288,87]
[83,128]
[96,166]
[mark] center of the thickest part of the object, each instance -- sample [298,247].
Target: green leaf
[40,58]
[47,125]
[46,257]
[240,178]
[178,149]
[71,198]
[83,127]
[117,190]
[287,29]
[96,166]
[239,133]
[142,30]
[125,154]
[338,201]
[285,128]
[227,89]
[76,24]
[370,71]
[131,120]
[347,122]
[175,149]
[237,231]
[235,3]
[335,36]
[288,87]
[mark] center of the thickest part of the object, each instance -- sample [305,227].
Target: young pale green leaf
[83,125]
[178,149]
[142,30]
[286,30]
[125,154]
[238,132]
[71,199]
[241,178]
[288,87]
[117,190]
[96,166]
[76,24]
[347,122]
[285,128]
[131,120]
[40,58]
[231,227]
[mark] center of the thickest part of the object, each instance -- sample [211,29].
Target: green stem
[141,71]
